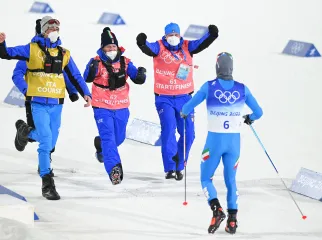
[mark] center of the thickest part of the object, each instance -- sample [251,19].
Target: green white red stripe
[205,154]
[236,164]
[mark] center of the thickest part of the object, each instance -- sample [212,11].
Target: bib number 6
[226,124]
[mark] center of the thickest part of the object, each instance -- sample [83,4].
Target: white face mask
[53,36]
[111,54]
[173,40]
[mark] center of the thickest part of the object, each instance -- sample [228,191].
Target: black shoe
[99,157]
[21,139]
[218,216]
[49,189]
[97,144]
[179,175]
[231,225]
[116,175]
[169,175]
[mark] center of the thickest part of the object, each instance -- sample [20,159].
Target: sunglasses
[53,21]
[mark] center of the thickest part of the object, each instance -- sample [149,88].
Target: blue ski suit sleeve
[155,47]
[198,98]
[76,78]
[253,105]
[194,44]
[18,76]
[21,52]
[131,71]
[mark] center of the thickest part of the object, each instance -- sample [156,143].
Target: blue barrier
[301,49]
[111,19]
[15,97]
[41,7]
[308,183]
[195,31]
[145,132]
[4,190]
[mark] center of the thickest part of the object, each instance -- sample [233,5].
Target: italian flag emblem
[205,154]
[236,164]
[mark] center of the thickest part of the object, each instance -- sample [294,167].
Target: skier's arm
[150,49]
[196,46]
[253,105]
[18,52]
[137,75]
[76,78]
[18,77]
[198,98]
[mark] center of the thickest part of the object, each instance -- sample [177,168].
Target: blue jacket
[194,46]
[23,53]
[18,79]
[202,94]
[131,69]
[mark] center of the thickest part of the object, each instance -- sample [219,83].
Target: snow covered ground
[145,206]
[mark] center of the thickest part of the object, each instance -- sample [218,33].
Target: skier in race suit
[225,100]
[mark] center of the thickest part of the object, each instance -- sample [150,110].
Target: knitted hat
[107,37]
[172,28]
[47,22]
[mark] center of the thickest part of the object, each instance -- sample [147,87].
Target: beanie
[224,66]
[46,23]
[107,37]
[172,28]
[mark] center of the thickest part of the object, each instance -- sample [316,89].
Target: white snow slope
[145,206]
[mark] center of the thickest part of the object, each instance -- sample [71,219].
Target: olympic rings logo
[168,58]
[297,47]
[224,97]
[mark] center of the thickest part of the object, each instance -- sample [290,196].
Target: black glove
[140,76]
[73,97]
[92,70]
[213,30]
[141,39]
[248,121]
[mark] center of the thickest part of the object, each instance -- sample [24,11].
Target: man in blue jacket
[173,86]
[46,60]
[225,101]
[19,81]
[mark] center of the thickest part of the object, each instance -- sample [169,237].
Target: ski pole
[184,159]
[260,142]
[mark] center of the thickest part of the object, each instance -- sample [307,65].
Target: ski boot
[21,139]
[97,145]
[171,174]
[48,188]
[218,215]
[116,175]
[231,225]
